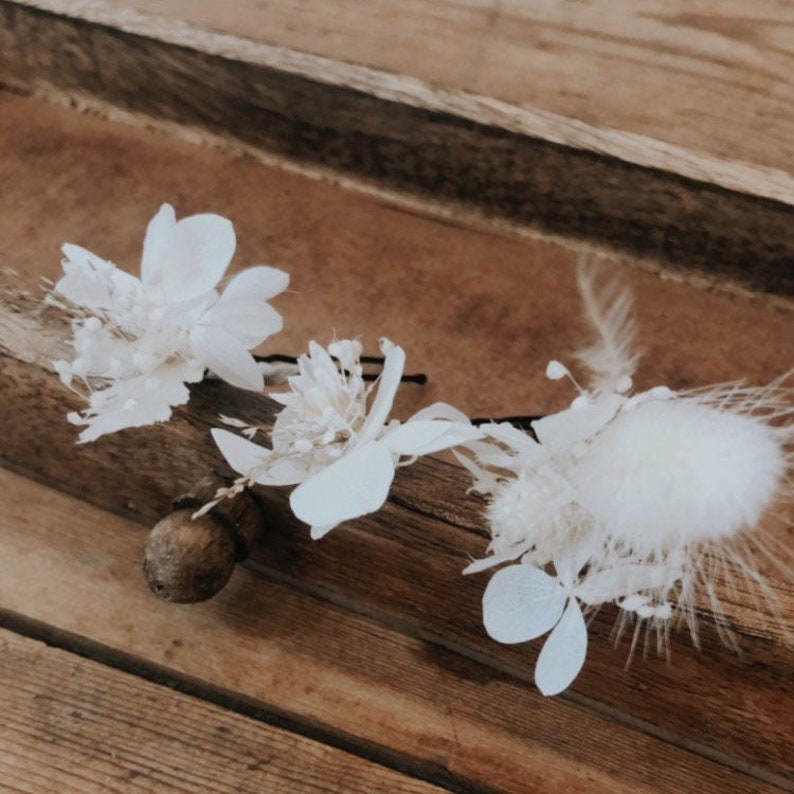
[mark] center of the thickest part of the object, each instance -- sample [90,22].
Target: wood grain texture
[74,725]
[289,657]
[721,216]
[711,79]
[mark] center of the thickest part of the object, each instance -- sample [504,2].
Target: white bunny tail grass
[703,505]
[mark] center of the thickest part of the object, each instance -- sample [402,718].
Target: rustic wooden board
[720,215]
[75,725]
[265,649]
[480,311]
[713,79]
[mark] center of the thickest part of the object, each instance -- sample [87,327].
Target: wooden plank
[498,158]
[71,724]
[714,80]
[273,650]
[428,528]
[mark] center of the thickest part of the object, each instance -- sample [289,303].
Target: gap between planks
[75,721]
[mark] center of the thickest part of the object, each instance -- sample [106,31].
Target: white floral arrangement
[636,499]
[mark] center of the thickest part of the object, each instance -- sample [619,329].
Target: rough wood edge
[726,218]
[744,177]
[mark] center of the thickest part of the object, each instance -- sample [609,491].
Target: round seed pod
[188,560]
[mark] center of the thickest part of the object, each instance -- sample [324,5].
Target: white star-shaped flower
[340,450]
[139,341]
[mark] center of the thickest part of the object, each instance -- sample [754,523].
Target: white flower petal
[441,410]
[422,437]
[136,402]
[620,581]
[259,283]
[354,485]
[156,244]
[518,440]
[561,430]
[92,282]
[241,454]
[222,352]
[387,388]
[563,653]
[251,321]
[521,603]
[194,257]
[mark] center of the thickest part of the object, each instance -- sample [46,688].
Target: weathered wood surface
[667,201]
[401,567]
[265,649]
[713,79]
[71,724]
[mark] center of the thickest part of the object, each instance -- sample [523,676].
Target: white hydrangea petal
[259,283]
[423,437]
[521,603]
[441,410]
[156,244]
[321,532]
[619,581]
[194,257]
[251,321]
[137,402]
[562,430]
[563,653]
[387,389]
[354,485]
[242,455]
[223,353]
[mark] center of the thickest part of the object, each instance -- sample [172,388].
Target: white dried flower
[640,500]
[333,438]
[139,341]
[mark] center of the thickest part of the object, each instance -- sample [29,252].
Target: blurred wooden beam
[680,205]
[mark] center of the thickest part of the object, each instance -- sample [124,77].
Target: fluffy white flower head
[139,341]
[333,438]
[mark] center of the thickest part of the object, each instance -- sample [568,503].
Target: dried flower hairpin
[640,500]
[340,452]
[139,341]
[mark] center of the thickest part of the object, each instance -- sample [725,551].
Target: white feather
[608,308]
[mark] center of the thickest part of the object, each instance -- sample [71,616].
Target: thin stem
[418,377]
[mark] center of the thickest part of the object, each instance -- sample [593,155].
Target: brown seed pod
[187,560]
